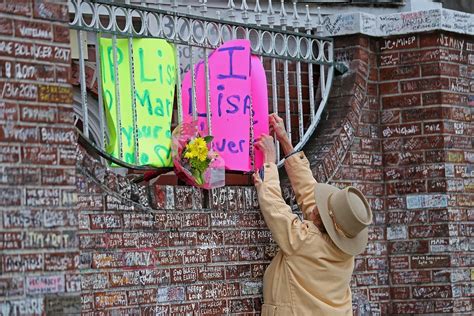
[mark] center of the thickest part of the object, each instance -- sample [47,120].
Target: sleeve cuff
[270,172]
[296,160]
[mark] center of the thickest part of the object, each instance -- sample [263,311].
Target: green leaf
[208,139]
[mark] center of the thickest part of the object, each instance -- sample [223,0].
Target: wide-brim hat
[346,215]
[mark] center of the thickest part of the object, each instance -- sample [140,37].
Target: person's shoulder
[324,243]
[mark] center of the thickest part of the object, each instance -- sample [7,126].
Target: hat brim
[352,246]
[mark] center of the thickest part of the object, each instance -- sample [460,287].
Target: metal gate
[279,39]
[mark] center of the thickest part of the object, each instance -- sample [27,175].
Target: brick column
[427,145]
[38,219]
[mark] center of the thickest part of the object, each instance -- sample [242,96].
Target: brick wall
[397,126]
[406,142]
[168,249]
[38,219]
[426,130]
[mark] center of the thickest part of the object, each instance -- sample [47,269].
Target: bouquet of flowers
[194,161]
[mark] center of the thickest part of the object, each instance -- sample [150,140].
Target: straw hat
[346,215]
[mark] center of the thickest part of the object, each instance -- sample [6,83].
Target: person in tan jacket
[311,273]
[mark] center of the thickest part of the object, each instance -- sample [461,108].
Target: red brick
[438,69]
[422,114]
[33,30]
[432,98]
[10,197]
[399,72]
[106,221]
[399,263]
[58,135]
[379,294]
[411,277]
[63,74]
[369,117]
[20,7]
[39,155]
[50,11]
[430,261]
[61,33]
[437,185]
[30,71]
[366,279]
[7,48]
[388,88]
[67,156]
[400,293]
[434,156]
[23,263]
[420,56]
[19,91]
[459,142]
[184,275]
[184,309]
[407,247]
[12,286]
[61,261]
[6,26]
[240,306]
[140,239]
[8,112]
[195,256]
[457,114]
[213,307]
[406,187]
[389,59]
[169,257]
[39,114]
[101,241]
[141,296]
[54,94]
[38,52]
[398,43]
[425,231]
[401,101]
[360,265]
[110,299]
[429,292]
[429,142]
[402,130]
[377,263]
[412,307]
[424,84]
[20,176]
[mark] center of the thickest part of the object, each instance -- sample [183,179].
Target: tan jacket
[309,275]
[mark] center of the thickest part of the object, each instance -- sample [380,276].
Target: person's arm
[302,181]
[297,167]
[287,230]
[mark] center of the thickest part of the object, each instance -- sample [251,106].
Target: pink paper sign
[237,83]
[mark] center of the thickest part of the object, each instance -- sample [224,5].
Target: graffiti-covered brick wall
[426,98]
[168,250]
[77,237]
[38,219]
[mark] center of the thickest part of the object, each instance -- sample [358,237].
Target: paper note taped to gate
[233,93]
[155,77]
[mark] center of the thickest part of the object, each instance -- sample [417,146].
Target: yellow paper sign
[155,76]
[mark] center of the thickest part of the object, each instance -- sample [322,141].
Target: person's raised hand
[266,144]
[277,127]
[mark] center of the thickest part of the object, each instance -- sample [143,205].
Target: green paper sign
[155,77]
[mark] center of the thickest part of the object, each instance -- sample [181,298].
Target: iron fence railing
[278,40]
